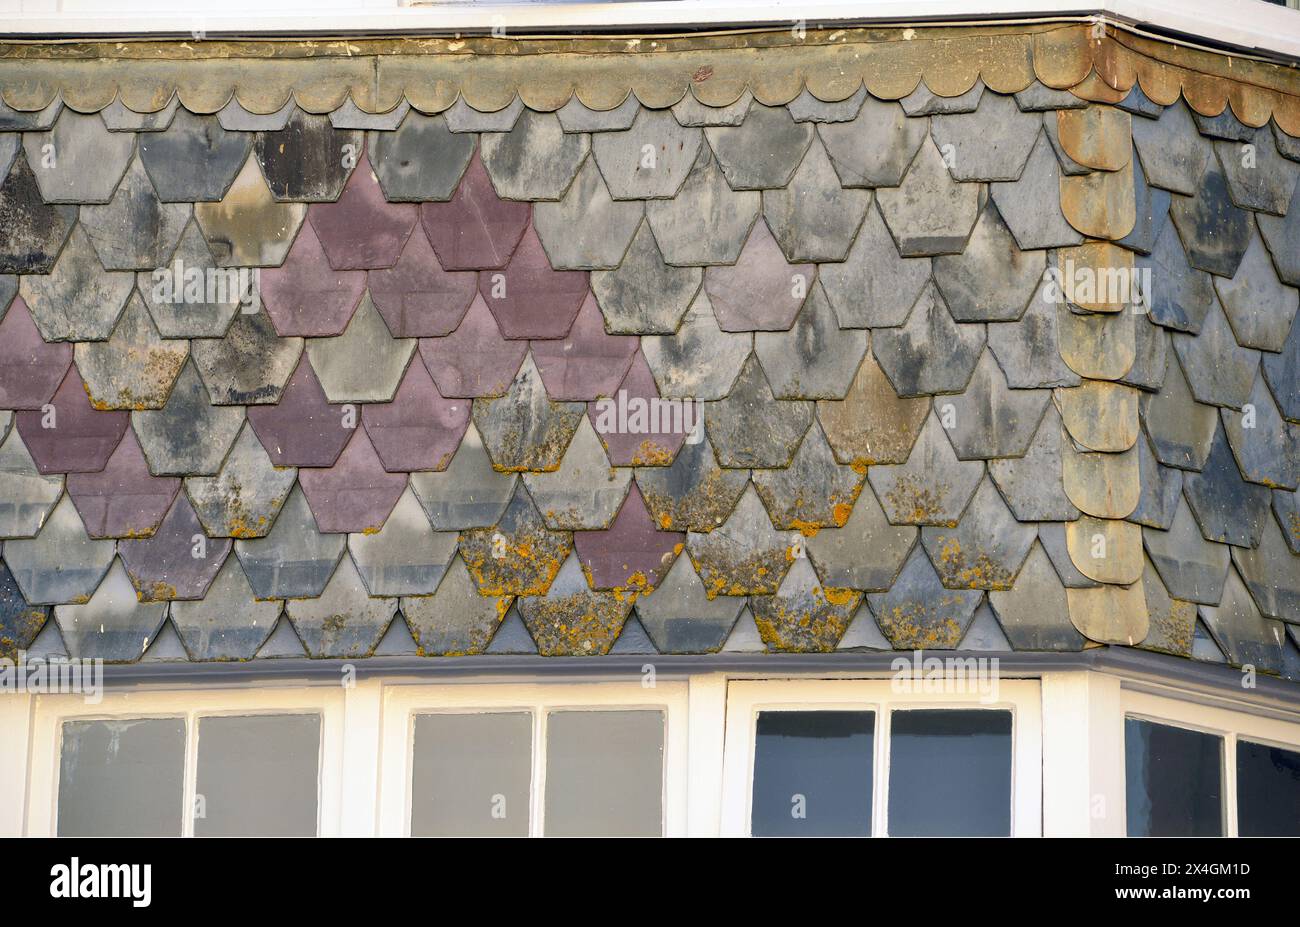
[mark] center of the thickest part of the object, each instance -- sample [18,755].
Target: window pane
[812,774]
[471,774]
[950,773]
[1173,778]
[604,773]
[1268,791]
[122,778]
[257,776]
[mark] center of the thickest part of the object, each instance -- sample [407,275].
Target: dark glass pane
[1268,791]
[1173,781]
[812,774]
[604,773]
[950,773]
[471,775]
[122,778]
[257,776]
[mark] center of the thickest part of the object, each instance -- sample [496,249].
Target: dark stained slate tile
[761,290]
[1282,235]
[678,615]
[924,102]
[907,356]
[1225,125]
[455,620]
[336,360]
[1266,448]
[468,493]
[990,420]
[475,229]
[234,118]
[62,563]
[813,218]
[535,160]
[1282,372]
[344,622]
[1052,536]
[992,280]
[644,294]
[1173,153]
[866,552]
[991,143]
[1031,206]
[1033,612]
[809,108]
[1219,371]
[1152,346]
[694,494]
[530,299]
[571,619]
[751,428]
[356,493]
[134,230]
[78,160]
[123,500]
[474,360]
[587,362]
[932,487]
[416,297]
[874,287]
[575,117]
[246,495]
[875,148]
[815,359]
[813,491]
[872,425]
[648,161]
[584,492]
[1272,574]
[461,117]
[13,120]
[112,625]
[691,112]
[308,160]
[1029,351]
[707,222]
[1038,97]
[135,367]
[302,430]
[1228,509]
[1244,635]
[294,559]
[699,361]
[31,231]
[586,229]
[78,300]
[763,151]
[188,436]
[518,555]
[632,554]
[20,622]
[1152,213]
[306,296]
[406,556]
[419,429]
[31,369]
[928,213]
[190,297]
[228,623]
[524,429]
[26,495]
[1181,429]
[1259,307]
[743,556]
[193,158]
[361,229]
[249,364]
[919,613]
[1259,178]
[1161,488]
[178,561]
[1287,145]
[637,428]
[1139,104]
[248,228]
[1214,231]
[70,435]
[422,160]
[985,550]
[804,616]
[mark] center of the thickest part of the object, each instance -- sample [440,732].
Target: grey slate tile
[691,112]
[992,280]
[644,294]
[1152,345]
[1259,307]
[535,160]
[803,616]
[1266,448]
[1225,125]
[1258,178]
[1214,231]
[586,229]
[924,102]
[468,493]
[986,548]
[294,559]
[344,622]
[13,120]
[1052,129]
[1038,97]
[929,213]
[461,117]
[187,436]
[518,555]
[78,160]
[189,297]
[1161,488]
[337,363]
[863,633]
[763,151]
[62,563]
[813,218]
[234,118]
[1031,484]
[1151,211]
[761,290]
[308,160]
[250,364]
[422,160]
[572,620]
[1282,235]
[680,618]
[20,623]
[1029,350]
[243,499]
[744,555]
[111,625]
[1282,372]
[525,429]
[248,228]
[707,222]
[988,419]
[991,143]
[919,613]
[750,427]
[31,231]
[809,108]
[1031,206]
[351,116]
[985,634]
[866,552]
[815,359]
[1173,154]
[77,300]
[228,623]
[512,637]
[119,118]
[1286,506]
[1033,612]
[906,354]
[650,160]
[406,556]
[1139,104]
[455,619]
[575,117]
[699,361]
[1181,429]
[585,492]
[1052,536]
[813,491]
[1219,371]
[135,367]
[744,637]
[26,495]
[194,158]
[932,487]
[177,562]
[874,149]
[874,287]
[1244,635]
[1287,145]
[134,230]
[1229,510]
[694,493]
[1172,621]
[1272,575]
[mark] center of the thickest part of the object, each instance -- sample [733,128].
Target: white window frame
[51,711]
[1225,723]
[401,703]
[746,698]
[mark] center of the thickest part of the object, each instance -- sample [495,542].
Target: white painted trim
[1083,755]
[15,743]
[707,735]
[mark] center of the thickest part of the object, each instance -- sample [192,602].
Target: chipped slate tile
[707,222]
[177,561]
[875,149]
[1033,611]
[813,218]
[924,102]
[992,280]
[809,108]
[31,369]
[308,160]
[866,552]
[587,362]
[814,359]
[928,213]
[648,161]
[1181,429]
[31,231]
[917,612]
[474,360]
[306,296]
[1213,230]
[135,367]
[336,360]
[1259,178]
[1029,351]
[584,492]
[699,361]
[813,491]
[189,297]
[361,229]
[193,159]
[475,229]
[1259,308]
[124,500]
[1245,636]
[744,555]
[455,620]
[111,625]
[1031,206]
[750,427]
[245,496]
[344,622]
[62,563]
[525,429]
[1266,447]
[638,430]
[689,111]
[461,117]
[907,356]
[1219,371]
[469,493]
[20,622]
[632,554]
[248,228]
[986,548]
[531,299]
[991,143]
[1228,509]
[249,364]
[694,494]
[26,496]
[932,487]
[643,294]
[518,555]
[534,160]
[356,493]
[228,623]
[302,429]
[422,160]
[405,556]
[134,230]
[79,160]
[187,436]
[1031,484]
[586,229]
[990,420]
[419,429]
[78,300]
[1161,488]
[680,618]
[571,619]
[294,559]
[70,435]
[804,616]
[575,117]
[763,151]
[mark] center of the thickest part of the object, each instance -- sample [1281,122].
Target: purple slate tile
[419,429]
[631,553]
[475,229]
[474,360]
[178,562]
[354,495]
[303,430]
[31,231]
[71,436]
[760,291]
[416,297]
[530,299]
[587,363]
[31,369]
[124,500]
[305,296]
[637,397]
[362,229]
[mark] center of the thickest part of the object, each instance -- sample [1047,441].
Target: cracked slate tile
[1259,179]
[234,118]
[530,298]
[644,294]
[762,290]
[187,436]
[1266,447]
[135,367]
[932,487]
[1173,153]
[1152,212]
[1161,488]
[344,621]
[992,280]
[20,622]
[809,108]
[243,499]
[928,213]
[813,218]
[866,552]
[1029,351]
[305,296]
[586,229]
[336,360]
[571,619]
[986,548]
[308,160]
[815,359]
[632,554]
[991,143]
[990,420]
[1031,206]
[924,102]
[872,425]
[134,230]
[78,300]
[422,160]
[1100,416]
[1181,295]
[474,360]
[707,222]
[475,229]
[124,500]
[763,151]
[1214,231]
[744,555]
[70,435]
[111,625]
[469,493]
[1228,509]
[1282,371]
[361,229]
[31,231]
[455,620]
[62,563]
[1272,575]
[193,158]
[1033,611]
[679,617]
[694,493]
[689,111]
[750,427]
[1245,636]
[535,159]
[699,361]
[248,228]
[1172,621]
[1032,484]
[249,364]
[356,493]
[1219,371]
[406,556]
[177,561]
[79,160]
[576,117]
[917,612]
[524,429]
[518,555]
[804,616]
[31,368]
[1052,536]
[1259,307]
[875,148]
[1181,429]
[461,117]
[1282,235]
[228,623]
[636,429]
[813,491]
[906,354]
[26,495]
[416,297]
[294,559]
[419,429]
[302,429]
[584,492]
[650,160]
[189,297]
[587,362]
[874,287]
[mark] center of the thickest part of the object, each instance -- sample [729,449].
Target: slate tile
[643,294]
[679,617]
[813,491]
[637,427]
[250,364]
[648,161]
[750,428]
[62,563]
[1287,145]
[534,160]
[699,360]
[632,554]
[992,280]
[1266,448]
[809,108]
[306,296]
[356,493]
[1101,204]
[1033,611]
[763,151]
[744,555]
[1103,485]
[31,231]
[468,493]
[1228,509]
[1214,232]
[406,556]
[1172,621]
[177,561]
[530,299]
[70,435]
[813,218]
[124,500]
[419,429]
[907,357]
[1109,551]
[1161,488]
[31,369]
[1286,506]
[134,230]
[1219,371]
[874,287]
[337,360]
[691,112]
[1100,416]
[584,492]
[78,160]
[187,436]
[984,633]
[1029,351]
[707,222]
[294,559]
[13,120]
[524,429]
[1282,235]
[761,290]
[985,550]
[875,148]
[1152,206]
[361,229]
[26,496]
[1173,154]
[475,360]
[111,625]
[234,118]
[586,229]
[1151,345]
[308,160]
[351,116]
[576,117]
[475,229]
[1139,104]
[815,359]
[991,143]
[193,158]
[1052,129]
[416,297]
[461,117]
[1282,372]
[1272,574]
[1097,137]
[694,493]
[917,612]
[518,555]
[344,622]
[8,290]
[228,623]
[924,102]
[135,367]
[1038,97]
[78,300]
[422,160]
[1259,178]
[866,552]
[19,621]
[1181,429]
[245,496]
[587,362]
[303,430]
[1244,635]
[1225,125]
[928,213]
[455,620]
[988,419]
[1259,308]
[804,616]
[571,619]
[191,297]
[248,228]
[283,642]
[1031,206]
[1052,536]
[872,425]
[932,487]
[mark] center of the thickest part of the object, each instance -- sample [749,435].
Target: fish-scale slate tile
[632,553]
[234,118]
[813,218]
[874,287]
[689,111]
[587,229]
[335,359]
[587,362]
[651,159]
[679,616]
[699,361]
[469,493]
[924,102]
[750,427]
[31,231]
[188,436]
[20,622]
[247,227]
[1097,136]
[1282,372]
[584,492]
[707,222]
[1259,307]
[1052,129]
[344,621]
[1161,488]
[1102,485]
[530,298]
[228,623]
[991,143]
[422,160]
[193,159]
[986,548]
[932,487]
[246,494]
[763,151]
[62,563]
[1100,416]
[361,229]
[1033,611]
[694,493]
[1101,204]
[807,107]
[356,493]
[1266,447]
[992,280]
[31,368]
[302,429]
[308,160]
[1029,350]
[917,612]
[1181,429]
[907,356]
[1214,231]
[866,552]
[111,625]
[518,555]
[1031,206]
[804,616]
[1282,235]
[475,229]
[644,294]
[1228,509]
[476,359]
[525,430]
[416,297]
[572,619]
[135,368]
[813,491]
[1173,153]
[875,148]
[761,290]
[77,300]
[1051,534]
[305,296]
[1031,484]
[929,213]
[1108,551]
[26,495]
[534,160]
[1192,568]
[190,297]
[1259,178]
[405,556]
[135,230]
[1270,573]
[249,364]
[419,429]
[124,500]
[576,117]
[637,427]
[454,620]
[69,435]
[1244,635]
[78,160]
[815,359]
[1180,295]
[461,117]
[295,559]
[1224,125]
[1219,371]
[178,561]
[990,420]
[744,555]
